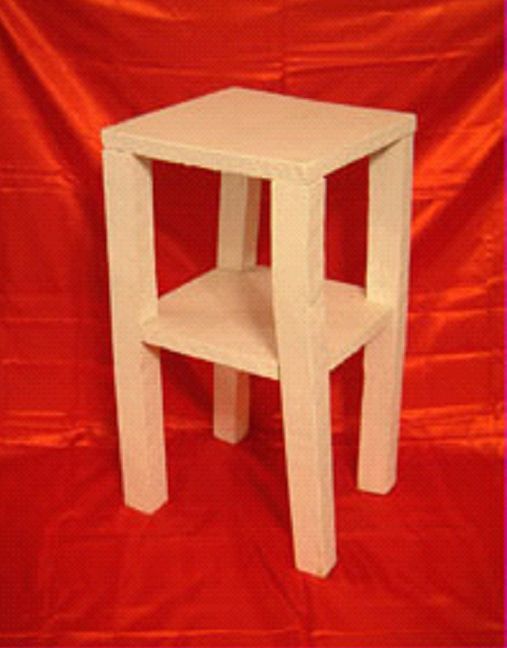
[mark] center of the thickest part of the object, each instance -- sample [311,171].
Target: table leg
[386,282]
[128,193]
[237,250]
[298,279]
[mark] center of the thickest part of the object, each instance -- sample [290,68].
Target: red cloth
[422,566]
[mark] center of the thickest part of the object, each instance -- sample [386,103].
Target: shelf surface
[261,134]
[225,316]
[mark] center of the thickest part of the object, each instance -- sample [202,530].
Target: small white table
[286,322]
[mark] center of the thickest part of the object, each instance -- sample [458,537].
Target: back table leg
[133,290]
[237,250]
[386,282]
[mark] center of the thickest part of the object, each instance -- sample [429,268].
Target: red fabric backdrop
[422,566]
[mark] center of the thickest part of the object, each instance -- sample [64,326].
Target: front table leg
[128,192]
[298,282]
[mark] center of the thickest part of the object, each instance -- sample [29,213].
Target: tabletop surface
[263,126]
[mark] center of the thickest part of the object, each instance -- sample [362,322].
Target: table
[287,322]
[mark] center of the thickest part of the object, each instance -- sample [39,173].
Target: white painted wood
[226,316]
[387,277]
[260,134]
[231,406]
[238,226]
[288,323]
[128,192]
[298,300]
[238,222]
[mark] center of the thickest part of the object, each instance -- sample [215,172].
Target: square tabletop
[261,134]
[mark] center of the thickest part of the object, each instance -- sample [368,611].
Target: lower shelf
[225,316]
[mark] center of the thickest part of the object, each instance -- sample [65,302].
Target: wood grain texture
[128,192]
